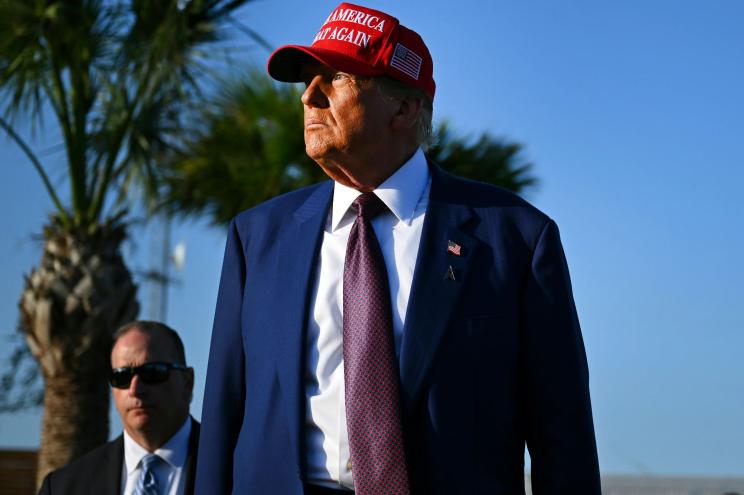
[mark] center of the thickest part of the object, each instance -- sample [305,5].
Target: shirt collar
[401,191]
[174,451]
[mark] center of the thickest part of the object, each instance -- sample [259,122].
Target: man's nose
[314,96]
[136,386]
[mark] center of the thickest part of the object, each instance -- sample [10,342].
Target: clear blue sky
[633,113]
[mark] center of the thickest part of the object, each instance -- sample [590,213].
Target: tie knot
[368,205]
[149,461]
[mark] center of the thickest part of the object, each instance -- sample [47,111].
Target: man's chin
[315,151]
[140,418]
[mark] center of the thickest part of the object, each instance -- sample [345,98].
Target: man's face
[347,121]
[158,407]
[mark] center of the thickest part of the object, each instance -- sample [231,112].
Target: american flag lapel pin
[454,248]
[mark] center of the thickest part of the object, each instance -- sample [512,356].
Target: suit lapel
[434,292]
[107,477]
[298,253]
[434,295]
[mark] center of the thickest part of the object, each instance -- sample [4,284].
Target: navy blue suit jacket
[489,361]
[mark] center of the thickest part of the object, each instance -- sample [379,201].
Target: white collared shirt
[169,474]
[406,194]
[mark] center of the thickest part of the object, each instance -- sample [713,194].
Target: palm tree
[487,159]
[120,80]
[250,148]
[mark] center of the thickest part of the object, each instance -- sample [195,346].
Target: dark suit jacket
[99,471]
[489,361]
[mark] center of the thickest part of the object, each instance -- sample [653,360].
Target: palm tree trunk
[76,419]
[70,306]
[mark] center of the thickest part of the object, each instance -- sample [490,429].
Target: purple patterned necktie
[370,368]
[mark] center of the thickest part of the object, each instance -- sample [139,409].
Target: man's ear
[407,112]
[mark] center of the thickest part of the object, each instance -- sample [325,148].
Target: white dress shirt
[406,194]
[170,474]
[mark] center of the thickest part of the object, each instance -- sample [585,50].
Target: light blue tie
[148,483]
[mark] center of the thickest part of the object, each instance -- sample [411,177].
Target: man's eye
[340,76]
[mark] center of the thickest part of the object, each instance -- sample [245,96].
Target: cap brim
[286,63]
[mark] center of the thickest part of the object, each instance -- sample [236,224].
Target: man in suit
[395,330]
[152,389]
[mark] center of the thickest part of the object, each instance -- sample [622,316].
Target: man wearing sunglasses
[152,389]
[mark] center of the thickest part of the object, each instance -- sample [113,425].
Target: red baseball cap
[364,42]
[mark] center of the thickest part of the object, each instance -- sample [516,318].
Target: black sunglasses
[149,373]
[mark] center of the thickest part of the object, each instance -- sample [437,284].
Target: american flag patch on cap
[406,61]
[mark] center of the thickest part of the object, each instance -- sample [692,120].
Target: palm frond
[251,148]
[485,159]
[120,77]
